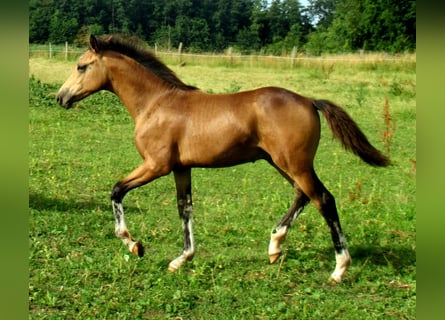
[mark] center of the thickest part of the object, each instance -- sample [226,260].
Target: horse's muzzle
[65,99]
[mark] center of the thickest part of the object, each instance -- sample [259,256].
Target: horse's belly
[216,157]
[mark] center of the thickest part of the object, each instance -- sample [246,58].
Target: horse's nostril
[60,100]
[62,97]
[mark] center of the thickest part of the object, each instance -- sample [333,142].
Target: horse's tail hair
[345,130]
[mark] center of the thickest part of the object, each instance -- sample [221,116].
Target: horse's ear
[93,44]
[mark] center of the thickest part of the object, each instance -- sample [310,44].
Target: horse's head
[89,76]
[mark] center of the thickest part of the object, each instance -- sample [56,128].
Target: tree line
[267,26]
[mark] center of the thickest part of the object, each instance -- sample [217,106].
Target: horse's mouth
[67,105]
[65,99]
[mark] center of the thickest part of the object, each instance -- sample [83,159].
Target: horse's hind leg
[279,233]
[185,208]
[325,203]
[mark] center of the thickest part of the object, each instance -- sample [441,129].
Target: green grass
[80,270]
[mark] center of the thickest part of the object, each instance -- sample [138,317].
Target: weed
[388,133]
[405,89]
[361,94]
[327,71]
[234,87]
[396,88]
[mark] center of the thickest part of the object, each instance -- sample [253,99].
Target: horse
[179,127]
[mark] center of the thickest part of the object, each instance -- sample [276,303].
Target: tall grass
[79,270]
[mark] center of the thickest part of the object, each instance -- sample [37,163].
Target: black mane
[132,47]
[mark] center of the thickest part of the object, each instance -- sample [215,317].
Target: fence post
[50,51]
[230,54]
[294,55]
[66,50]
[180,52]
[156,49]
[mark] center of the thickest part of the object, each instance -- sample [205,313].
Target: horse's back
[271,114]
[226,129]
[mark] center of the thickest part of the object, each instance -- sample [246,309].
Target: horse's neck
[135,86]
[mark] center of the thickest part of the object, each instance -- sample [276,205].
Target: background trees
[378,25]
[271,26]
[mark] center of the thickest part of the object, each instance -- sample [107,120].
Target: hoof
[274,257]
[172,269]
[334,280]
[138,249]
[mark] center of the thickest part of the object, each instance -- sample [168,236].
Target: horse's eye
[81,68]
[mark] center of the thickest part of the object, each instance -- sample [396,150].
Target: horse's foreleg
[185,209]
[279,233]
[138,177]
[121,229]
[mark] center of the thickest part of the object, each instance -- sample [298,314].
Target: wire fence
[229,57]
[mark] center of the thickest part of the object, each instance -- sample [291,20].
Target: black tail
[349,134]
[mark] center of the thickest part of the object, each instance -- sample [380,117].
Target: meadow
[78,269]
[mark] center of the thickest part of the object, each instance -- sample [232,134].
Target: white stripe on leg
[343,260]
[276,239]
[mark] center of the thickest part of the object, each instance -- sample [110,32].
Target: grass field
[80,270]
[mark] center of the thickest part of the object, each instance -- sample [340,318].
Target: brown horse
[178,127]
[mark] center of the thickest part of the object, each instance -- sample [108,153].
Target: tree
[375,25]
[274,26]
[346,31]
[228,19]
[321,13]
[40,13]
[286,26]
[389,25]
[260,21]
[193,33]
[277,22]
[62,28]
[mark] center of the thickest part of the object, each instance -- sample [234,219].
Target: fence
[229,57]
